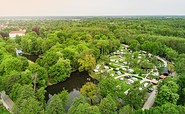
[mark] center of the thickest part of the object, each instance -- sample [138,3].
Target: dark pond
[30,57]
[72,85]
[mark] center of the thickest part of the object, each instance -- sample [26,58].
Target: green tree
[112,87]
[166,95]
[19,92]
[172,86]
[26,77]
[82,108]
[168,109]
[134,45]
[136,54]
[76,102]
[181,109]
[70,53]
[25,92]
[108,105]
[93,110]
[87,63]
[15,91]
[60,71]
[55,106]
[50,41]
[34,46]
[10,46]
[146,46]
[129,58]
[135,97]
[24,61]
[90,90]
[155,48]
[40,95]
[11,64]
[2,53]
[181,91]
[86,109]
[64,98]
[42,75]
[1,84]
[126,110]
[49,59]
[113,44]
[10,80]
[3,110]
[61,35]
[171,54]
[146,64]
[180,66]
[25,42]
[27,106]
[103,46]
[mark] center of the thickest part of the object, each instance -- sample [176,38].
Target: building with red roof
[162,77]
[154,81]
[13,34]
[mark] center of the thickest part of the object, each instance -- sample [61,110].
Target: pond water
[72,85]
[30,57]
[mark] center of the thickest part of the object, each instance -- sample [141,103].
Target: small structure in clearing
[6,101]
[154,81]
[162,77]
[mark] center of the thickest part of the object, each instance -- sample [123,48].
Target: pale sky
[91,7]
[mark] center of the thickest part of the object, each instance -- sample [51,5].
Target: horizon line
[93,15]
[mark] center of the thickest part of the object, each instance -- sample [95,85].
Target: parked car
[150,90]
[146,84]
[121,78]
[128,76]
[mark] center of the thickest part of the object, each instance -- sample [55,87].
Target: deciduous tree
[90,90]
[76,102]
[107,105]
[55,106]
[60,71]
[87,63]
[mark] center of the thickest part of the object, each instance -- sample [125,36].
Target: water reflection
[30,57]
[72,85]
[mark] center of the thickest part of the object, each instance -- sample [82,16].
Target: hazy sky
[91,7]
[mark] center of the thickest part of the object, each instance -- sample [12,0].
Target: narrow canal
[30,57]
[72,85]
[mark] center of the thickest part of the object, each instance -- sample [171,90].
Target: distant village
[11,34]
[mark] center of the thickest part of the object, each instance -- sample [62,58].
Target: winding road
[159,58]
[150,101]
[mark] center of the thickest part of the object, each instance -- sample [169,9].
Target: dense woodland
[64,46]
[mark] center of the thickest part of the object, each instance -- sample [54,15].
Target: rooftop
[17,32]
[162,77]
[154,81]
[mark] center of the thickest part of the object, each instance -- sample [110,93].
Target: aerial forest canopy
[63,46]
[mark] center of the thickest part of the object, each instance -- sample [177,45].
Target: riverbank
[72,84]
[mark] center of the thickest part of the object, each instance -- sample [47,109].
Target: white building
[13,34]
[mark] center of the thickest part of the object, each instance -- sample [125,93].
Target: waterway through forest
[30,57]
[73,84]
